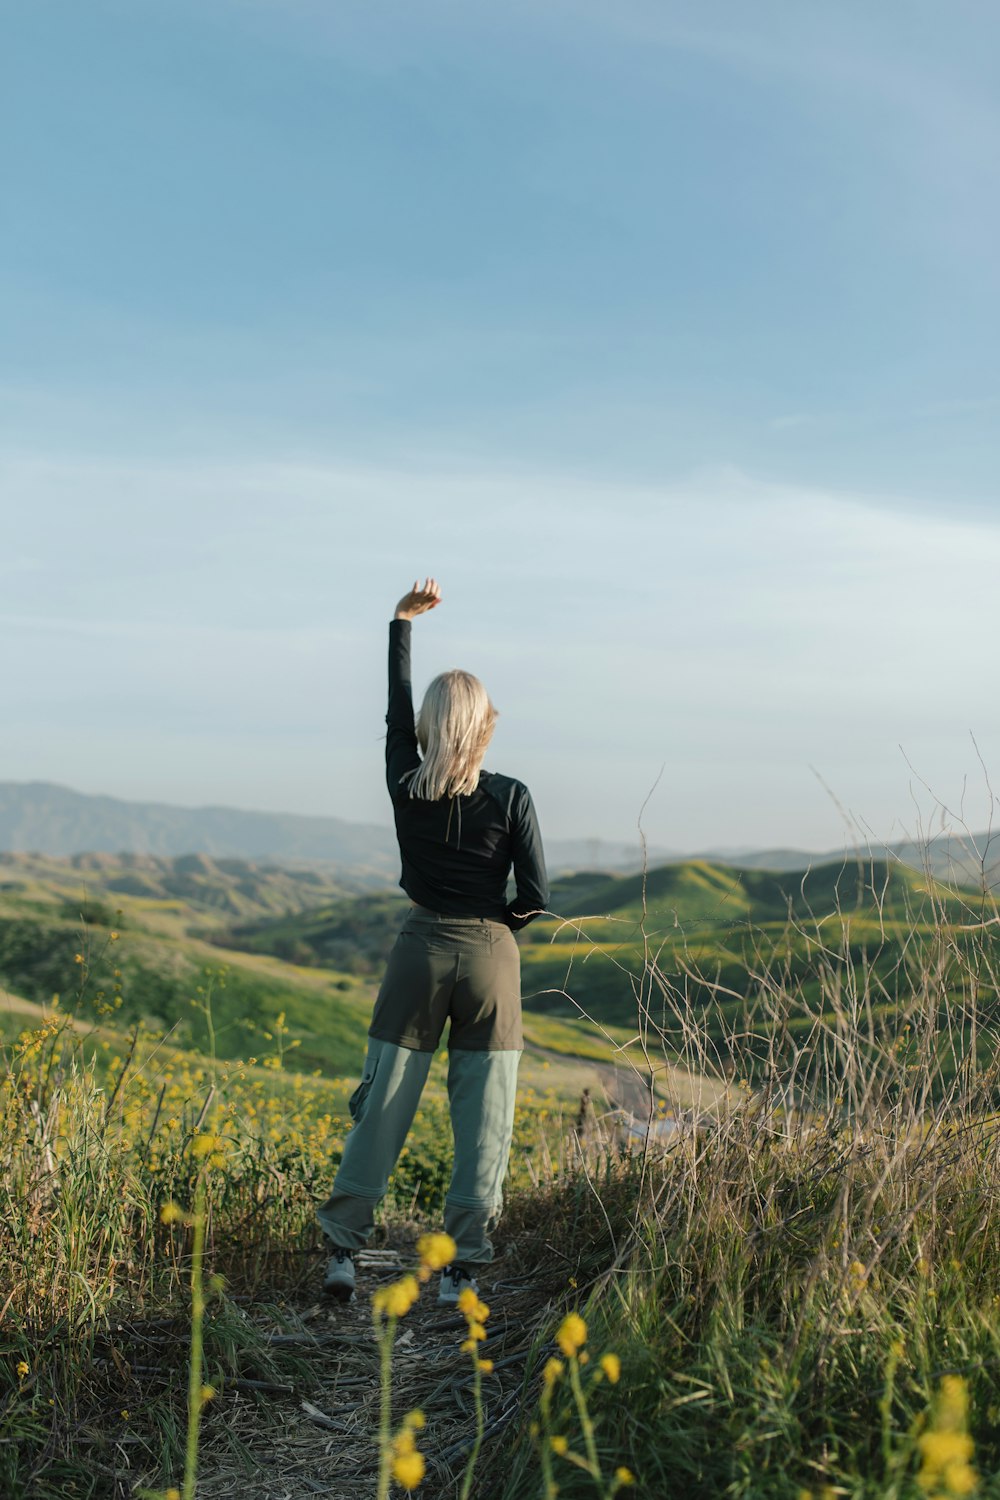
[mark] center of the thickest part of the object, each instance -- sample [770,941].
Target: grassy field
[793,1254]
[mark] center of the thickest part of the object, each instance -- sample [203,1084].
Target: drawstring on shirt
[451,803]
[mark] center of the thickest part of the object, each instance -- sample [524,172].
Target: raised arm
[401,753]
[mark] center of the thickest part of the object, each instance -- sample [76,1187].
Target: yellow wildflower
[485,1366]
[171,1213]
[436,1251]
[612,1367]
[946,1448]
[558,1444]
[23,1369]
[624,1476]
[172,1494]
[553,1369]
[396,1300]
[208,1393]
[572,1334]
[206,1145]
[470,1305]
[408,1469]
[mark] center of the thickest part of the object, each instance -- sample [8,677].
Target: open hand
[419,600]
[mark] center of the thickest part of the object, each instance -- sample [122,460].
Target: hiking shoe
[454,1279]
[339,1279]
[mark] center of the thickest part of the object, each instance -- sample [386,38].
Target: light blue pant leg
[382,1108]
[482,1089]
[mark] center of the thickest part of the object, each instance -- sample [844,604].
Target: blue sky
[665,335]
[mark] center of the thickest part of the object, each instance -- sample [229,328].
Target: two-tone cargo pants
[462,969]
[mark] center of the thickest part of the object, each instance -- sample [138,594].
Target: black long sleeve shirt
[457,852]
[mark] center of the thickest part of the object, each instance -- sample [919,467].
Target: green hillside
[117,956]
[205,889]
[628,947]
[238,961]
[726,964]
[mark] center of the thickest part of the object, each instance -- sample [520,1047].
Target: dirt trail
[627,1087]
[321,1441]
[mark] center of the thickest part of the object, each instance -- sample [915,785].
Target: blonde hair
[454,727]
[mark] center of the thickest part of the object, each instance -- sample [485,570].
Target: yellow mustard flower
[572,1334]
[612,1367]
[624,1476]
[470,1305]
[946,1448]
[396,1300]
[558,1444]
[408,1469]
[206,1144]
[436,1251]
[944,1454]
[171,1213]
[23,1369]
[553,1369]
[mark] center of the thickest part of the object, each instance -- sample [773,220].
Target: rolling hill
[729,948]
[134,940]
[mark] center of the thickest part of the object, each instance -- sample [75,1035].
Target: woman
[459,829]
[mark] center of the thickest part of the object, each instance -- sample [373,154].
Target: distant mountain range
[40,817]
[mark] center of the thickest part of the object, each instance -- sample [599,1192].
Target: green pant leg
[482,1090]
[382,1108]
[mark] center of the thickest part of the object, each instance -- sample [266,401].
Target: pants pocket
[358,1100]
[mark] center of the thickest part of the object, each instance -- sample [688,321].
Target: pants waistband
[422,916]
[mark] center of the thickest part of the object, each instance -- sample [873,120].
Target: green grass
[786,1332]
[786,1279]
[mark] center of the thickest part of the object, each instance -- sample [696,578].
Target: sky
[664,336]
